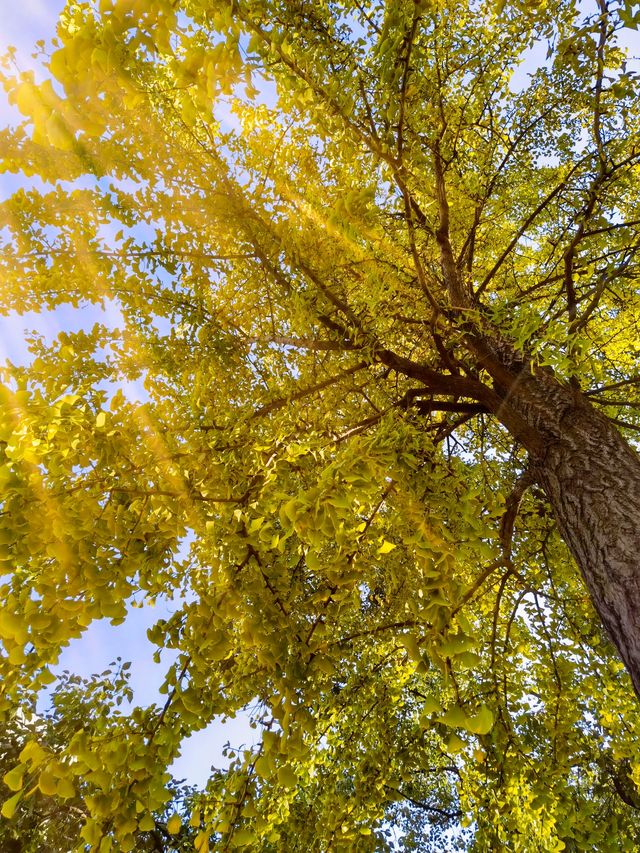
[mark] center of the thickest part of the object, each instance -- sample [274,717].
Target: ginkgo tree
[381,305]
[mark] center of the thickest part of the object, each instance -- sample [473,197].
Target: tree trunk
[591,477]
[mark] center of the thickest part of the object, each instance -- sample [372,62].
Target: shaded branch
[280,402]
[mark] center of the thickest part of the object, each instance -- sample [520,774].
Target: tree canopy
[379,311]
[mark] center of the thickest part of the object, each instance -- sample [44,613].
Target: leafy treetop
[311,216]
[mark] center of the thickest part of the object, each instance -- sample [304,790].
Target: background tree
[384,306]
[45,824]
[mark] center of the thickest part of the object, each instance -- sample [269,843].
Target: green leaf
[147,823]
[287,777]
[482,722]
[454,717]
[244,836]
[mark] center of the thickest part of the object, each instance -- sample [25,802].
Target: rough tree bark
[591,477]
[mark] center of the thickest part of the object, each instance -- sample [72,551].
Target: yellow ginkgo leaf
[173,824]
[13,779]
[9,806]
